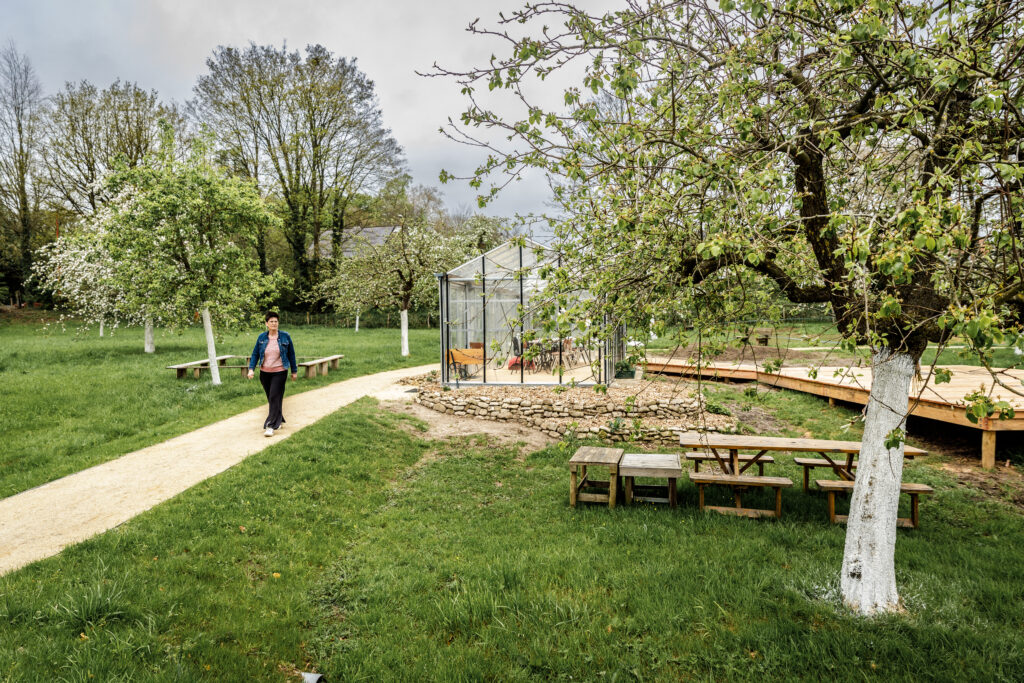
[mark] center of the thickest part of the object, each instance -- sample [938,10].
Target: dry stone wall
[657,420]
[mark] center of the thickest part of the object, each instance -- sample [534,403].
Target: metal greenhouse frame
[478,303]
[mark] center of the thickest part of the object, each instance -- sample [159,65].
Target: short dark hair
[271,314]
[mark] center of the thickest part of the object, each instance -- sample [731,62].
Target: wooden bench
[460,359]
[312,366]
[738,482]
[581,488]
[834,486]
[197,366]
[697,458]
[811,463]
[655,465]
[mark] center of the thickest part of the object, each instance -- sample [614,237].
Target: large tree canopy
[307,129]
[864,155]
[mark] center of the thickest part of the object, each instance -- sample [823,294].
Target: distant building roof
[374,235]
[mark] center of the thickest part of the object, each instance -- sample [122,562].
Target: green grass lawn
[347,550]
[359,548]
[72,400]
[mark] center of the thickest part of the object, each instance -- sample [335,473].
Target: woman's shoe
[269,432]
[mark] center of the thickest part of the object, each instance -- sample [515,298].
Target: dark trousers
[273,384]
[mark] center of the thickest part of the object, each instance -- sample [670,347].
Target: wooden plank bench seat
[810,463]
[697,457]
[197,371]
[320,364]
[738,482]
[197,366]
[834,486]
[651,465]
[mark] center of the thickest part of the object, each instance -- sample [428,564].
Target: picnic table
[734,443]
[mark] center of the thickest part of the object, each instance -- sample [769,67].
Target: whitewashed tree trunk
[149,344]
[357,321]
[405,332]
[101,327]
[211,349]
[868,578]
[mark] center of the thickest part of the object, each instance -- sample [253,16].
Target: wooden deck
[942,402]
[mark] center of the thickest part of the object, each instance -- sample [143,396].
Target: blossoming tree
[398,273]
[180,234]
[78,270]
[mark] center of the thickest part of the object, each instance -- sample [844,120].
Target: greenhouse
[485,339]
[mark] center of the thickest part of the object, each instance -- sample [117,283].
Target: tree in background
[21,189]
[399,273]
[181,234]
[864,155]
[89,132]
[308,130]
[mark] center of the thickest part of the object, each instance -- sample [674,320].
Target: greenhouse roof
[504,260]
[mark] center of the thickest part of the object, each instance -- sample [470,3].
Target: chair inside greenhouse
[493,330]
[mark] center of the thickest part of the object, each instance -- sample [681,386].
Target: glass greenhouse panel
[493,331]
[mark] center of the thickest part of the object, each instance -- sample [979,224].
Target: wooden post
[572,485]
[988,449]
[700,497]
[629,490]
[613,486]
[913,510]
[832,506]
[671,493]
[778,502]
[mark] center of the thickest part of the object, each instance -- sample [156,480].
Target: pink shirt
[272,357]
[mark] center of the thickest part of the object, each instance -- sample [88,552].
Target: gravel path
[42,521]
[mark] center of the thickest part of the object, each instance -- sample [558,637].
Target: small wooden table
[657,465]
[735,443]
[583,489]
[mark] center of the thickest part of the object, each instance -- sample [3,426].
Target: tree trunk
[149,344]
[405,332]
[101,327]
[869,572]
[357,321]
[211,349]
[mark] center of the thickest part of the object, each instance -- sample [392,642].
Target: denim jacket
[287,350]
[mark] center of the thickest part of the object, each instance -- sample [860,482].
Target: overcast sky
[163,45]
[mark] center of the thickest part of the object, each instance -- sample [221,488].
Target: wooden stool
[594,491]
[658,465]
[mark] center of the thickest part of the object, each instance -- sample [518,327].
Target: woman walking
[273,348]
